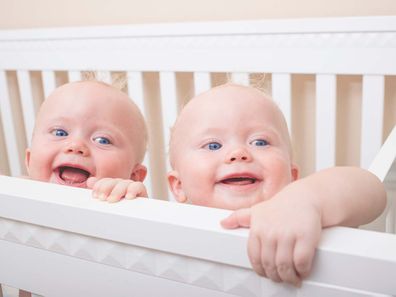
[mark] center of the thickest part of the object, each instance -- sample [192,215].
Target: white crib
[335,80]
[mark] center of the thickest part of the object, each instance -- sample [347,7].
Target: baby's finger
[304,252]
[103,188]
[95,185]
[91,182]
[284,261]
[254,253]
[268,254]
[239,218]
[119,191]
[136,189]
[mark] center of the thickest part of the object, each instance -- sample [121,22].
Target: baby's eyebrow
[211,130]
[54,120]
[268,131]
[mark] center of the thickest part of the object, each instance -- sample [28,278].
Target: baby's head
[230,148]
[87,129]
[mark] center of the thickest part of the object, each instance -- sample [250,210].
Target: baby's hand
[114,189]
[283,236]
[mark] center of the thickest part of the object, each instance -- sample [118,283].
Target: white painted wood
[382,162]
[301,25]
[325,136]
[390,219]
[240,78]
[74,75]
[281,93]
[49,82]
[372,118]
[28,110]
[9,128]
[169,103]
[202,82]
[105,76]
[169,110]
[49,280]
[99,280]
[269,46]
[37,234]
[136,93]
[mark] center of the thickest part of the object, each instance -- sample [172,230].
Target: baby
[230,148]
[90,135]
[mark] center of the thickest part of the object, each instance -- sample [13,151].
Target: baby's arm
[285,230]
[345,196]
[114,189]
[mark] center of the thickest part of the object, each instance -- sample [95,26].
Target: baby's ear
[139,173]
[175,186]
[295,172]
[27,159]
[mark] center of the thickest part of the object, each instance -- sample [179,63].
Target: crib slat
[372,117]
[105,76]
[49,82]
[241,78]
[202,82]
[29,114]
[9,128]
[390,219]
[74,76]
[281,92]
[135,91]
[326,93]
[169,108]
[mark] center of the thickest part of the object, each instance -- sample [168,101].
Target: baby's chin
[234,201]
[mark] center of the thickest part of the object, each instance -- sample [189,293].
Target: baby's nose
[239,155]
[76,147]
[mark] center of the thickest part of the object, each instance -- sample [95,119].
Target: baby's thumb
[239,218]
[91,182]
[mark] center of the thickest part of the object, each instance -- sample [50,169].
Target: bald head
[227,103]
[108,103]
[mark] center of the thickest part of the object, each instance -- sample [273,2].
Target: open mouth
[239,181]
[72,175]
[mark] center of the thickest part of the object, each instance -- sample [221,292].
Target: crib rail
[65,243]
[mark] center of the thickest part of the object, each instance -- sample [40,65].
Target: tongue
[74,175]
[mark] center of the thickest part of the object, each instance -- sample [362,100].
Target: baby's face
[230,149]
[86,129]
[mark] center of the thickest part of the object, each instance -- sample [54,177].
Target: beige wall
[49,13]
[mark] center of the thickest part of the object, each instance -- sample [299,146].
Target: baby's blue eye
[213,146]
[259,142]
[102,140]
[59,132]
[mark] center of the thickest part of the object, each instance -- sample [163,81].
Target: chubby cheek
[40,166]
[114,165]
[279,175]
[197,184]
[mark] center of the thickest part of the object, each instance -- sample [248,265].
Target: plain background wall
[54,13]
